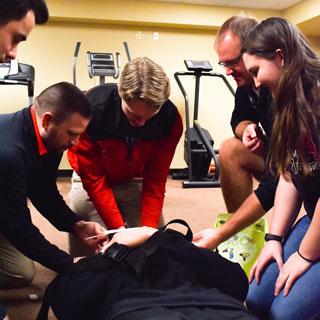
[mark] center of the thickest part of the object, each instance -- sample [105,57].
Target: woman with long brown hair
[286,278]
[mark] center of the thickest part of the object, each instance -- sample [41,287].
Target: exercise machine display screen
[198,65]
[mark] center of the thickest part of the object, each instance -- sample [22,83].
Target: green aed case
[245,246]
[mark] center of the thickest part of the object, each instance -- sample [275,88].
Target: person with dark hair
[31,145]
[242,157]
[285,279]
[124,156]
[17,19]
[15,10]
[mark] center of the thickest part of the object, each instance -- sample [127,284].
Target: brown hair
[63,99]
[143,79]
[296,101]
[241,26]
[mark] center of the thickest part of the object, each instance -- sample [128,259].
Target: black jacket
[112,152]
[25,174]
[166,272]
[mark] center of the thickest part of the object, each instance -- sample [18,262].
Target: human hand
[88,229]
[271,251]
[131,237]
[207,238]
[252,138]
[294,267]
[76,259]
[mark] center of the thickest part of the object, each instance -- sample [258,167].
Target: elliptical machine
[198,143]
[100,64]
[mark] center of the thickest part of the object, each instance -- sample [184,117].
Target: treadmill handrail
[210,74]
[186,100]
[209,149]
[75,58]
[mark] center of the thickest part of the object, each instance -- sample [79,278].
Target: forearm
[152,199]
[155,177]
[241,127]
[86,159]
[286,207]
[250,211]
[310,245]
[103,199]
[46,198]
[55,210]
[27,239]
[16,224]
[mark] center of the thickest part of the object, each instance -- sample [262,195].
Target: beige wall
[50,49]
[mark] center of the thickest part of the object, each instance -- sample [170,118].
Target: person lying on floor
[164,278]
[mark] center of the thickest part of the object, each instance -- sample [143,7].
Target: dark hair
[63,99]
[296,101]
[241,26]
[15,10]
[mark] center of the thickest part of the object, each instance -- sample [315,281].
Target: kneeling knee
[18,279]
[230,149]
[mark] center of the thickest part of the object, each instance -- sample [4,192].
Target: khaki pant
[16,270]
[127,196]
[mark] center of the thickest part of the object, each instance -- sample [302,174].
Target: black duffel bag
[166,278]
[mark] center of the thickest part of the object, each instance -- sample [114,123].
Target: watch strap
[270,236]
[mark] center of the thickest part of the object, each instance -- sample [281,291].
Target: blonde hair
[144,79]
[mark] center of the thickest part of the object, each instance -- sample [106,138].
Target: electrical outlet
[138,35]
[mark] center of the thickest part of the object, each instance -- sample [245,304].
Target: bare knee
[231,149]
[233,153]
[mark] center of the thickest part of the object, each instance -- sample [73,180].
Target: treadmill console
[198,65]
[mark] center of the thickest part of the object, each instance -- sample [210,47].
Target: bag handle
[45,306]
[188,235]
[137,258]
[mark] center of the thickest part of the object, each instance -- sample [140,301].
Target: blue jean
[303,300]
[2,312]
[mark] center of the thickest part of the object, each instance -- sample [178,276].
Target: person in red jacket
[122,160]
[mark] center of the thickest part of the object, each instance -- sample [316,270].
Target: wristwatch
[270,236]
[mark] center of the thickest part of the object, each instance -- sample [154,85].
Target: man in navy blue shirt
[17,19]
[32,142]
